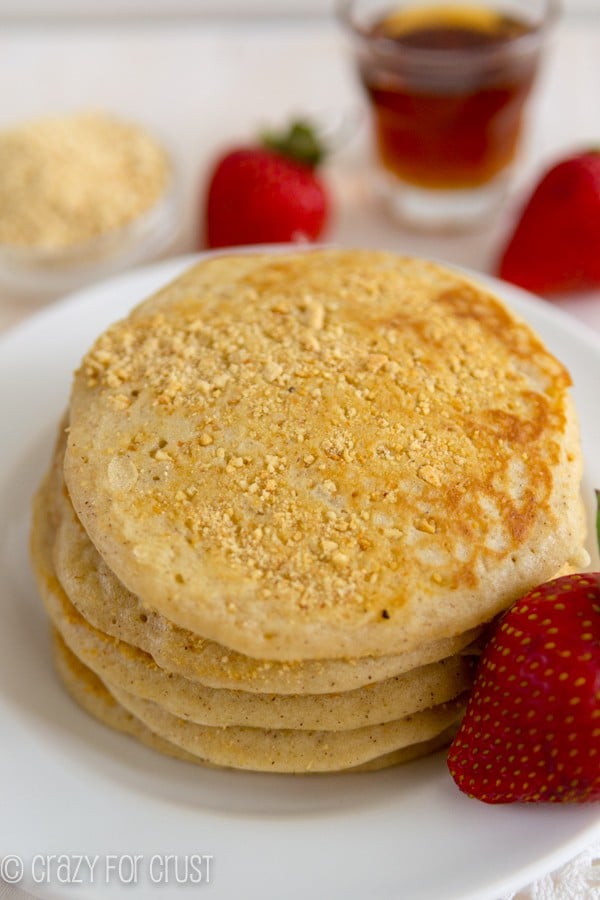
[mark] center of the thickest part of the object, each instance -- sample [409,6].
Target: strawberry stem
[300,142]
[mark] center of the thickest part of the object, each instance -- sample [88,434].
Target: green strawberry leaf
[300,142]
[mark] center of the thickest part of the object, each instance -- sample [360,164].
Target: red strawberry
[531,731]
[556,244]
[267,194]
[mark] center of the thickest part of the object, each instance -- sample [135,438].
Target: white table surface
[205,85]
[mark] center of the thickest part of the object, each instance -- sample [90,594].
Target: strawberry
[556,244]
[268,194]
[531,731]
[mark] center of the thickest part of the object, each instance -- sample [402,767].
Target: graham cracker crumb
[93,174]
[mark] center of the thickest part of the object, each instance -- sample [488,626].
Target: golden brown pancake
[288,750]
[93,696]
[325,454]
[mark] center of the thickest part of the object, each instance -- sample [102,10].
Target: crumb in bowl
[80,195]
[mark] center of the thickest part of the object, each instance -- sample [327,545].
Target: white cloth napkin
[577,880]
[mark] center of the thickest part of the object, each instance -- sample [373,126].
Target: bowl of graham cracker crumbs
[81,196]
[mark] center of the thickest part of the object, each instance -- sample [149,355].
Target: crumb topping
[66,180]
[326,427]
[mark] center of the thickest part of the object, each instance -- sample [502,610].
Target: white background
[223,8]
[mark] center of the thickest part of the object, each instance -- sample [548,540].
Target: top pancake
[325,454]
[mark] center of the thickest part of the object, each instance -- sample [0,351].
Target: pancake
[91,694]
[326,454]
[109,607]
[123,665]
[288,750]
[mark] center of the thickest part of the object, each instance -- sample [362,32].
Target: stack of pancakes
[291,491]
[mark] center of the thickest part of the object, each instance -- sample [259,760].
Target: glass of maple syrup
[448,85]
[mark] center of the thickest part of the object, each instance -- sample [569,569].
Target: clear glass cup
[448,85]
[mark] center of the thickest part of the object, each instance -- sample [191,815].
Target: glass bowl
[43,272]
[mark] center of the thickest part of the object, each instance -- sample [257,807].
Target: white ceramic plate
[69,785]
